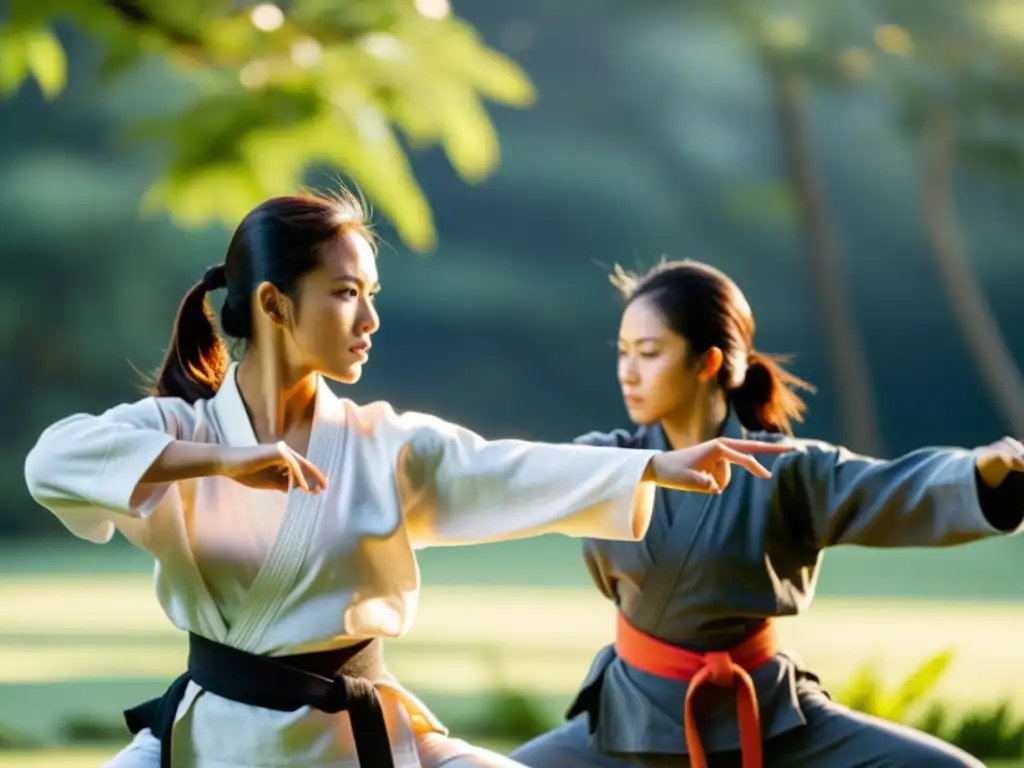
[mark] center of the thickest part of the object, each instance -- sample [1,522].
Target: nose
[369,319]
[627,371]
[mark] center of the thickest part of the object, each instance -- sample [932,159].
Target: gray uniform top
[712,568]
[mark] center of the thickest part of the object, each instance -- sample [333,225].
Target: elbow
[39,474]
[37,478]
[43,467]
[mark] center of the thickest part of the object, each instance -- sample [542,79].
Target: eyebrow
[641,340]
[353,279]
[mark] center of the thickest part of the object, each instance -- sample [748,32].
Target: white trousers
[433,751]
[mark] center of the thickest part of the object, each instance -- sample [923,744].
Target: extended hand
[998,460]
[273,466]
[705,467]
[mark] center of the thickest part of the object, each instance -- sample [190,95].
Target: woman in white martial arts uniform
[283,519]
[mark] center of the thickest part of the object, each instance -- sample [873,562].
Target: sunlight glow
[854,62]
[306,52]
[786,33]
[254,74]
[381,45]
[894,40]
[267,17]
[433,9]
[1006,19]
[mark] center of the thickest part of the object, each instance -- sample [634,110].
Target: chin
[349,374]
[640,418]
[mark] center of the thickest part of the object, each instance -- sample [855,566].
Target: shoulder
[801,445]
[167,414]
[617,438]
[383,421]
[806,455]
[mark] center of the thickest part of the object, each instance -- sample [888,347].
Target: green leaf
[918,685]
[863,692]
[45,57]
[37,51]
[469,138]
[493,74]
[13,61]
[222,193]
[500,79]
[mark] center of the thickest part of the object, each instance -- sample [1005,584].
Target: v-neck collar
[233,417]
[287,554]
[679,519]
[654,437]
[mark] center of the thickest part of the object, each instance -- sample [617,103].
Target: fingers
[700,482]
[1016,451]
[315,478]
[295,469]
[749,463]
[755,446]
[307,475]
[1011,453]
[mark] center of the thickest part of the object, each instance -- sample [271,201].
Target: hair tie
[215,278]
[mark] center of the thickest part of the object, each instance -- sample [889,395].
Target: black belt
[331,681]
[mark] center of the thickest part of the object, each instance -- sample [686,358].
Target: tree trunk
[998,370]
[857,411]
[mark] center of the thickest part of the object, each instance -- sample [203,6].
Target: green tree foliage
[278,90]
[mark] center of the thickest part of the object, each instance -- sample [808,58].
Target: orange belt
[727,669]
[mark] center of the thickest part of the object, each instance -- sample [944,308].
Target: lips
[361,350]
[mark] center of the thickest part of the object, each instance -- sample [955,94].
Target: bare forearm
[183,460]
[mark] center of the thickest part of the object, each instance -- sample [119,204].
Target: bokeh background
[858,168]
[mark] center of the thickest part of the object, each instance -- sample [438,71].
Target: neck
[290,394]
[697,425]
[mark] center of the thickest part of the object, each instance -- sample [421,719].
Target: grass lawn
[82,636]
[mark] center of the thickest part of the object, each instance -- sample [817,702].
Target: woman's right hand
[706,467]
[271,466]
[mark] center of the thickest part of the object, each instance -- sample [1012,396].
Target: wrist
[991,473]
[216,461]
[184,460]
[652,470]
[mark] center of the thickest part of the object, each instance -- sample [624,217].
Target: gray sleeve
[618,438]
[927,498]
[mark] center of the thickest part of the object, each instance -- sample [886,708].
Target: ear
[272,304]
[711,365]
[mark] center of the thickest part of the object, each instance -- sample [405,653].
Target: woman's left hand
[998,460]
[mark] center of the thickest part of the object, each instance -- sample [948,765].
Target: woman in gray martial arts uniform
[713,572]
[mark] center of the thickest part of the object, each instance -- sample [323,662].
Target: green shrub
[11,738]
[507,713]
[865,692]
[92,730]
[989,733]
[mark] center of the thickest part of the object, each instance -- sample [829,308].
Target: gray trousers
[834,737]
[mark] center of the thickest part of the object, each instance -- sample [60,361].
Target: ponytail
[197,359]
[766,400]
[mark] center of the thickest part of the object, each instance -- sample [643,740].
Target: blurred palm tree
[799,44]
[958,76]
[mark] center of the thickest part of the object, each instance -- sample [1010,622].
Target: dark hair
[277,242]
[705,307]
